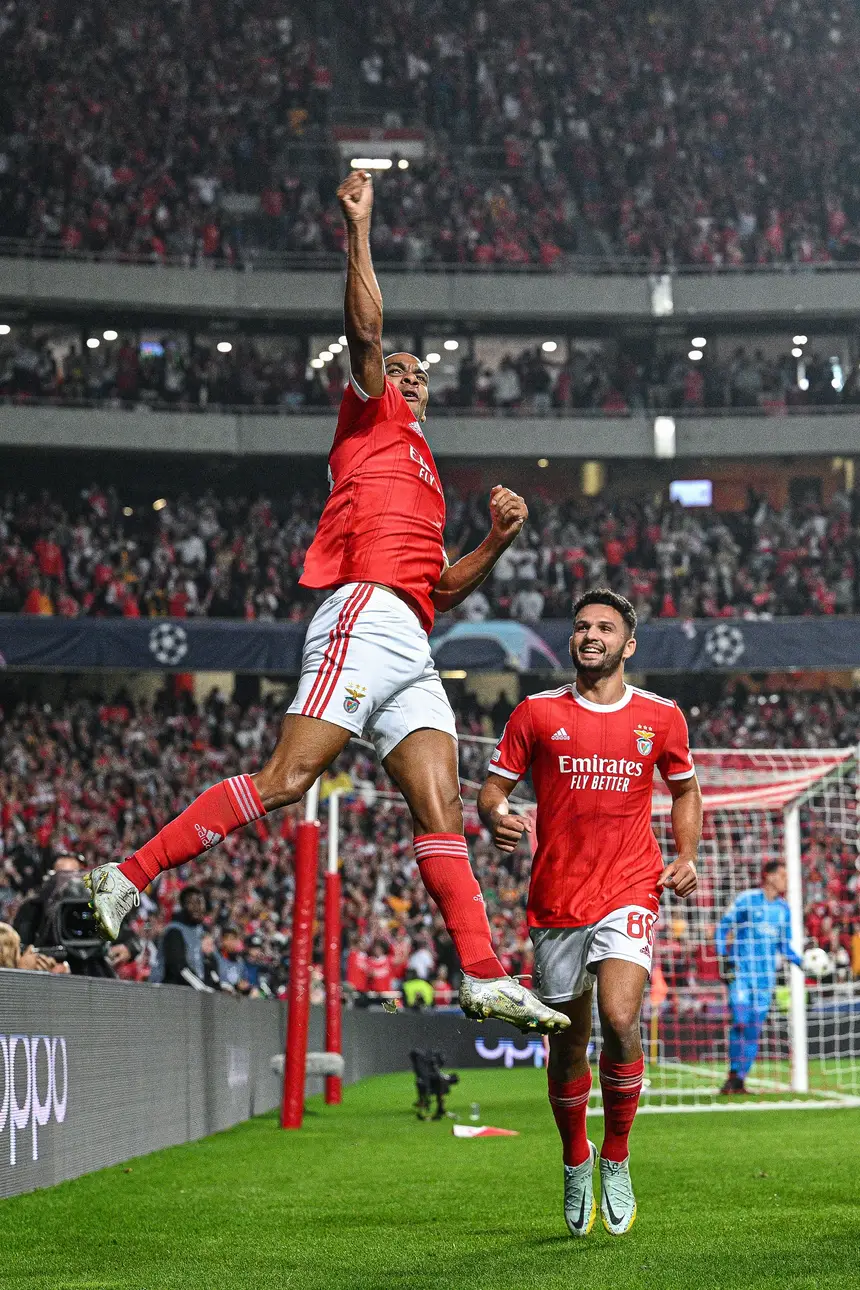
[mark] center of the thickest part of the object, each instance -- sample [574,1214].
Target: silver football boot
[112,897]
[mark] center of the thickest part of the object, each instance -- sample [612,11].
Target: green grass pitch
[366,1197]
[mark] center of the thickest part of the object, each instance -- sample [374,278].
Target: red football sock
[621,1083]
[222,809]
[569,1102]
[443,862]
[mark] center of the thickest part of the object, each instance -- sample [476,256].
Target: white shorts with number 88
[565,957]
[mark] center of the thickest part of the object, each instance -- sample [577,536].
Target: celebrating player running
[366,666]
[592,748]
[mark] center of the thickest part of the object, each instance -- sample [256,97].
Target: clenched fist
[507,829]
[680,877]
[508,512]
[355,195]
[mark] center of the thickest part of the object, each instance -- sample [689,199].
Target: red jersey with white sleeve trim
[593,768]
[384,519]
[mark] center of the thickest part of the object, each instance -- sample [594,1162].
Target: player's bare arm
[680,876]
[505,828]
[508,513]
[362,303]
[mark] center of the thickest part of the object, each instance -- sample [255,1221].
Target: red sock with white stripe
[621,1084]
[222,809]
[443,862]
[569,1102]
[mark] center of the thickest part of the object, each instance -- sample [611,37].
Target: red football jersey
[593,770]
[385,516]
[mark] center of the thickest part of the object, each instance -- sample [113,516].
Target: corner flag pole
[301,951]
[331,950]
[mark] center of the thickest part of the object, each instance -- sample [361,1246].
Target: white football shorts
[565,957]
[366,666]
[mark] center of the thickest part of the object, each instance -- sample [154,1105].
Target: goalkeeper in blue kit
[752,937]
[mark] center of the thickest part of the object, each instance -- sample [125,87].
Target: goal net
[794,1033]
[722,996]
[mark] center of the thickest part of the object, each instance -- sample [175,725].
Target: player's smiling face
[601,641]
[409,375]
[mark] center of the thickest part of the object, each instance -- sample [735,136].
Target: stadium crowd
[123,127]
[681,134]
[273,375]
[233,557]
[101,777]
[685,133]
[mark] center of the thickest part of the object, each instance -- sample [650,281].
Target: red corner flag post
[331,950]
[301,951]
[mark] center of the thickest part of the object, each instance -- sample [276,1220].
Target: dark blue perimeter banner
[219,645]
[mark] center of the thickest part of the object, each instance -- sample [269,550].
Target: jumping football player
[752,936]
[592,748]
[366,666]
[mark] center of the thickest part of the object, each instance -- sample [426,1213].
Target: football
[817,962]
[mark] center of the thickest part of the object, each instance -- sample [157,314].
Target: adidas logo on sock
[561,733]
[207,837]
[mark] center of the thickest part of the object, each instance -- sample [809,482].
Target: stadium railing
[446,411]
[247,258]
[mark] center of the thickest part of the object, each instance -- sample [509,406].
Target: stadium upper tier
[230,557]
[72,365]
[686,135]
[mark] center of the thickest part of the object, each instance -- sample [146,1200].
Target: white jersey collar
[603,707]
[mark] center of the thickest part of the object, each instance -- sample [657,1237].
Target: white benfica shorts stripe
[338,644]
[367,667]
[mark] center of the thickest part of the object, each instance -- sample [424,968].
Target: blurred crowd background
[96,779]
[237,557]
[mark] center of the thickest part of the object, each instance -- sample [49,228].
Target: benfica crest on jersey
[354,696]
[644,739]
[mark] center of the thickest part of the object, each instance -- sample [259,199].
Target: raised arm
[362,301]
[509,513]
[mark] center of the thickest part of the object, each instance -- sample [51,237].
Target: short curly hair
[605,596]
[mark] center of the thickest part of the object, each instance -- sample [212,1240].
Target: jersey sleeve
[513,753]
[382,406]
[675,761]
[358,410]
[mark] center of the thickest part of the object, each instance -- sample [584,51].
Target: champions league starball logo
[168,644]
[724,645]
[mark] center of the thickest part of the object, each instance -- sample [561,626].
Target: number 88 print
[640,924]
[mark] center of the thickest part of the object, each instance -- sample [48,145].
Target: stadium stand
[273,375]
[686,135]
[233,557]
